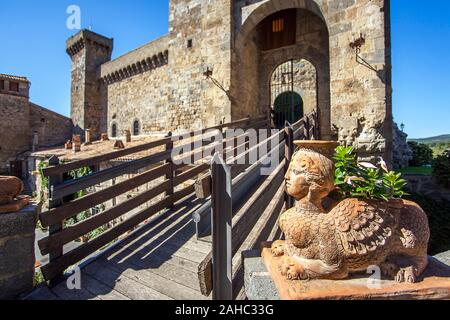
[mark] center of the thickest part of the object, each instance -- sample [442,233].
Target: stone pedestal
[16,205]
[433,285]
[17,255]
[263,281]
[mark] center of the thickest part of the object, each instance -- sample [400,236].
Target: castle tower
[15,137]
[88,52]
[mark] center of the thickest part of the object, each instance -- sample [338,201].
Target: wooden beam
[254,207]
[222,215]
[55,202]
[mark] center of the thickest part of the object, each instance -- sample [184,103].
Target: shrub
[365,180]
[441,169]
[422,154]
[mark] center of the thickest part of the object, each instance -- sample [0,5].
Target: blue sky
[34,34]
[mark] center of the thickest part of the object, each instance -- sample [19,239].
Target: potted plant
[366,181]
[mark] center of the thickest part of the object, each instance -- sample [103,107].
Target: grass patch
[417,170]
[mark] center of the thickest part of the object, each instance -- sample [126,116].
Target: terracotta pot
[10,188]
[325,148]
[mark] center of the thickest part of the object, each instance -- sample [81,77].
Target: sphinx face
[296,183]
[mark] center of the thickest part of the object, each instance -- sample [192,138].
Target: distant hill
[442,138]
[439,144]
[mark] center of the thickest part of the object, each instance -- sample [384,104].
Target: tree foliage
[441,169]
[422,154]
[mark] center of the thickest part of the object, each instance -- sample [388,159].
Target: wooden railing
[244,210]
[158,168]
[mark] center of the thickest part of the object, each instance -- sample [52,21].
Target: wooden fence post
[307,128]
[317,124]
[171,175]
[288,153]
[53,181]
[222,216]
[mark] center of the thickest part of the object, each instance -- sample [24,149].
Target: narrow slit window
[136,128]
[114,130]
[2,84]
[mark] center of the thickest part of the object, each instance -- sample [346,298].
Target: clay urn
[10,188]
[325,148]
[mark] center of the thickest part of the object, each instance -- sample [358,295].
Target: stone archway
[253,62]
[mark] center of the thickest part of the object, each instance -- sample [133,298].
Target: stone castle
[255,49]
[284,57]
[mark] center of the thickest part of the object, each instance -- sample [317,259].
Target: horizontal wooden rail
[265,202]
[73,186]
[72,233]
[56,216]
[259,200]
[190,174]
[73,208]
[64,168]
[62,263]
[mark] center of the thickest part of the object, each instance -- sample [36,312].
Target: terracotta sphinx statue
[10,188]
[353,236]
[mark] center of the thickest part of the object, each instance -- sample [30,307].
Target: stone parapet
[17,253]
[148,57]
[78,42]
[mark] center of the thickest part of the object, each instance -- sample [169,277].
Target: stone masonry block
[23,222]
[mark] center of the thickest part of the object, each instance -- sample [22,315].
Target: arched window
[136,128]
[114,130]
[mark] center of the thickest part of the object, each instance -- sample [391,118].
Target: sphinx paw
[389,270]
[292,270]
[278,248]
[406,275]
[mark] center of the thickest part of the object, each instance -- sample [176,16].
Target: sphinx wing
[363,226]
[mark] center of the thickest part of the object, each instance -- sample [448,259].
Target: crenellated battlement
[79,41]
[148,57]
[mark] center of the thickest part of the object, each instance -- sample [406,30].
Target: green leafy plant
[38,278]
[43,180]
[78,174]
[364,180]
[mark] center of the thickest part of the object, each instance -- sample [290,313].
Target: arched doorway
[293,91]
[291,35]
[288,106]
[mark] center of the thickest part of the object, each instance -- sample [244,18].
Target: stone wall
[21,118]
[15,134]
[136,88]
[139,98]
[52,128]
[195,102]
[17,256]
